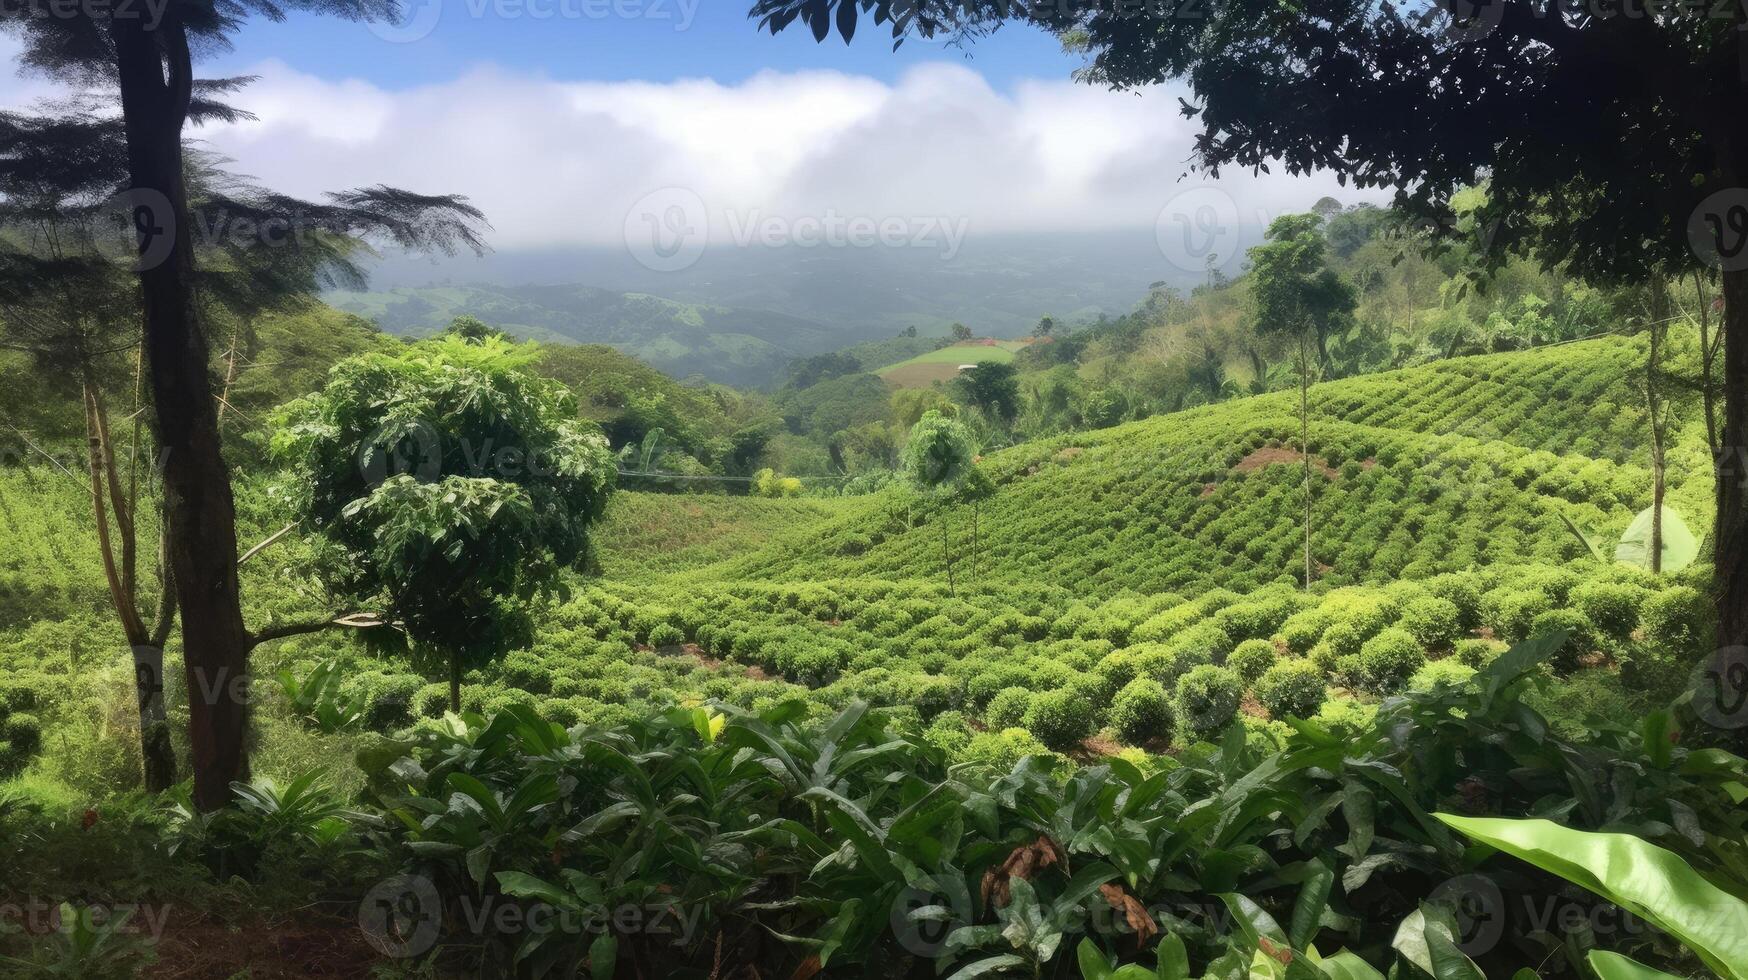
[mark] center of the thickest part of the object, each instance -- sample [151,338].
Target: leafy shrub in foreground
[1292,689]
[1142,712]
[1677,620]
[1008,708]
[1389,659]
[1061,719]
[1207,699]
[1252,659]
[1434,623]
[1612,606]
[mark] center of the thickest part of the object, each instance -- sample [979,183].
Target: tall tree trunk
[455,683]
[1653,404]
[1305,442]
[947,553]
[157,755]
[1707,369]
[1730,538]
[155,75]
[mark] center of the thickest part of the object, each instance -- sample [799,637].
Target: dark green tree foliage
[993,388]
[450,485]
[806,372]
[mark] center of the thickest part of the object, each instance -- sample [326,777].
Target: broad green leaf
[1638,876]
[1093,964]
[603,956]
[1346,966]
[1680,547]
[1308,909]
[1174,959]
[1614,966]
[1427,938]
[989,966]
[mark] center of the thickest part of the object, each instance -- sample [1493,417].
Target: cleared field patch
[944,364]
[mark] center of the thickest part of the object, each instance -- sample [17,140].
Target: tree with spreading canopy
[449,487]
[938,459]
[1609,139]
[68,299]
[1298,295]
[138,60]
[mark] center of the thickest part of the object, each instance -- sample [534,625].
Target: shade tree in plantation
[450,488]
[993,388]
[938,459]
[1297,295]
[1610,141]
[140,61]
[69,299]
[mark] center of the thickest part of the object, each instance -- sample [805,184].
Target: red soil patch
[316,946]
[1208,489]
[1096,748]
[1252,707]
[697,653]
[1269,457]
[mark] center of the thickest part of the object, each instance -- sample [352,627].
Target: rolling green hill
[1459,465]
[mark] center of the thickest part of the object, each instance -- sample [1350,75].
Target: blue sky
[583,40]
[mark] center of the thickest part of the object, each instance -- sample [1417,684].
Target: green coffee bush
[930,696]
[1580,639]
[1292,689]
[1251,659]
[389,702]
[1677,620]
[1342,639]
[1476,653]
[666,635]
[1142,712]
[1008,708]
[1207,700]
[1060,719]
[20,740]
[1512,611]
[1613,607]
[1389,659]
[1001,751]
[1433,622]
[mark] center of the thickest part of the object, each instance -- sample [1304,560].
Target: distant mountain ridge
[734,346]
[740,314]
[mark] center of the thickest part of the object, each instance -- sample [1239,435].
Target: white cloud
[563,163]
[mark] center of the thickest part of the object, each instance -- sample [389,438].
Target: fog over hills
[738,314]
